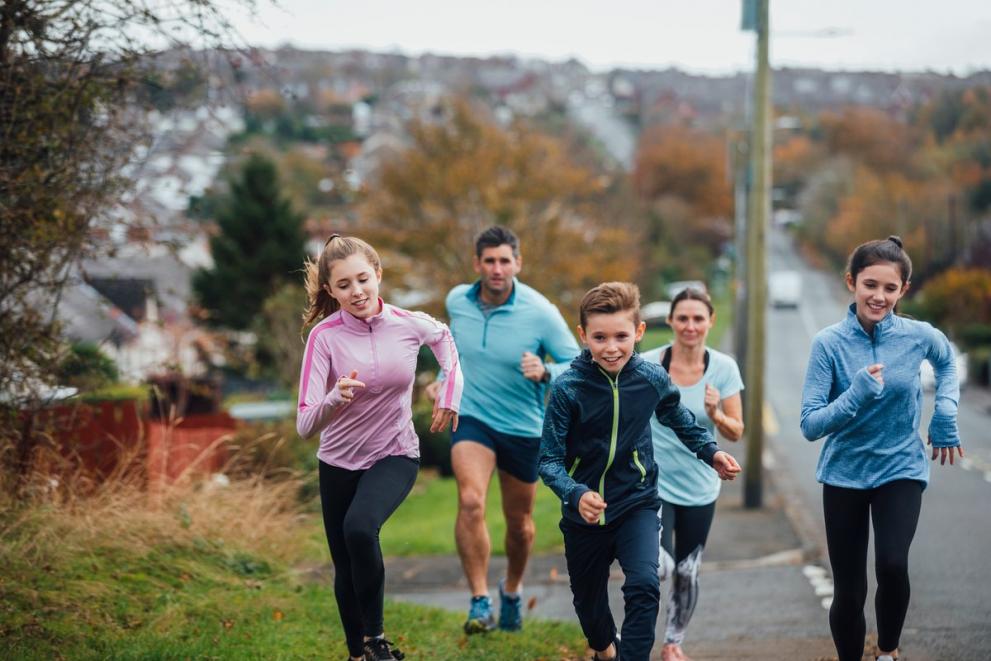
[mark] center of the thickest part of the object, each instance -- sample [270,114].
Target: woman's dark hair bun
[897,240]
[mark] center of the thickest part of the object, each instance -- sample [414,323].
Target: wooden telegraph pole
[759,212]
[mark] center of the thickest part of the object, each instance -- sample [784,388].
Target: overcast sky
[696,35]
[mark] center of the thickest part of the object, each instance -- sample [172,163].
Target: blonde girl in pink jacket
[355,390]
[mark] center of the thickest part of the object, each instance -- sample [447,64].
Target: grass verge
[209,602]
[424,523]
[198,573]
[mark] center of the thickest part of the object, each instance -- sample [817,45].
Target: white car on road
[784,289]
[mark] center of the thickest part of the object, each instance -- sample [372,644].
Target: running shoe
[596,657]
[480,617]
[510,609]
[380,649]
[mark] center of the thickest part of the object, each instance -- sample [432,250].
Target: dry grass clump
[61,510]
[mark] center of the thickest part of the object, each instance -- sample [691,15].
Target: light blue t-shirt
[681,478]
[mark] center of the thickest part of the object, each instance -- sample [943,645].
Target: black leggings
[688,527]
[894,509]
[355,505]
[684,531]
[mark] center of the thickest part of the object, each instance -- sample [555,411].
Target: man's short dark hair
[496,236]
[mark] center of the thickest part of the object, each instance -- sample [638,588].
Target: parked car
[928,377]
[784,289]
[655,314]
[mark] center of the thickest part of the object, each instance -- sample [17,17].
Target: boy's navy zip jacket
[597,435]
[873,429]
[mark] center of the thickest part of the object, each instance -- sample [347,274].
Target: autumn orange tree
[869,136]
[959,297]
[681,176]
[865,173]
[462,173]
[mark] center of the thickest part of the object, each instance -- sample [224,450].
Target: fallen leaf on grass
[277,615]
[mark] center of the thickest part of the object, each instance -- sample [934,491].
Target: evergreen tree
[260,247]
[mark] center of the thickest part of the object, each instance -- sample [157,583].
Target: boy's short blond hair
[609,298]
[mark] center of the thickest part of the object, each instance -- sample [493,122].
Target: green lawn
[424,523]
[206,601]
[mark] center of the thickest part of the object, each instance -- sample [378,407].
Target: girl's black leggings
[355,505]
[894,510]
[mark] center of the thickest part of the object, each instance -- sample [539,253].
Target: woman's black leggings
[684,531]
[355,505]
[894,509]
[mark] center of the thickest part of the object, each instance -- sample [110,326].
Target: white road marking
[821,583]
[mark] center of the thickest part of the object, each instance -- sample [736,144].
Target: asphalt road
[950,561]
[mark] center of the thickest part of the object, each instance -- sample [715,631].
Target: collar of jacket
[880,328]
[473,291]
[354,322]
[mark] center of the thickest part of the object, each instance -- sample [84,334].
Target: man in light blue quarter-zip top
[504,330]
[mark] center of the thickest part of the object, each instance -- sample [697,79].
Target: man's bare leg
[473,464]
[517,506]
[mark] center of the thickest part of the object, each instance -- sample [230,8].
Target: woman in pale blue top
[710,385]
[862,390]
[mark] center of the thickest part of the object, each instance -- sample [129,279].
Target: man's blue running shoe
[480,617]
[510,609]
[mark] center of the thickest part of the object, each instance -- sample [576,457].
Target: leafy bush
[87,368]
[959,297]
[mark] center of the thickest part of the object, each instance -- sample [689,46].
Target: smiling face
[877,289]
[354,283]
[496,267]
[611,338]
[690,320]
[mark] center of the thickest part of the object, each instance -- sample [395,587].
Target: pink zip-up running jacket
[378,422]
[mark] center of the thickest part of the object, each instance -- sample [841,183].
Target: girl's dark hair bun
[897,240]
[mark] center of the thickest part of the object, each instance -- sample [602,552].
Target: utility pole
[756,263]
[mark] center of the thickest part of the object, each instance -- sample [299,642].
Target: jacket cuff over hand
[943,431]
[865,387]
[576,494]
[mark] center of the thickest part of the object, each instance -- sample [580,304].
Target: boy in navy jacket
[596,455]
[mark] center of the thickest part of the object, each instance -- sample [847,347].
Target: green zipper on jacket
[614,435]
[574,467]
[636,460]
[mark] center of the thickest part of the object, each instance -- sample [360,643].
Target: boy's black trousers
[590,550]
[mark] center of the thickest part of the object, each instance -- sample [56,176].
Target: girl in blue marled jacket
[862,390]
